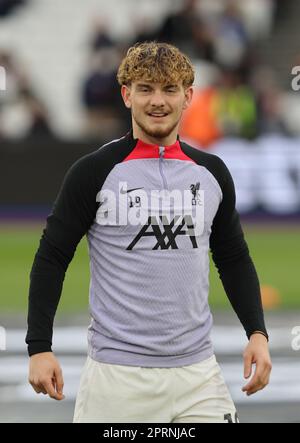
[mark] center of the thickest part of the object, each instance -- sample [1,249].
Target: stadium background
[62,101]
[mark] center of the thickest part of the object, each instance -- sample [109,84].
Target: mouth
[157,115]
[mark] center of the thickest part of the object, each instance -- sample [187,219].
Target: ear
[126,95]
[188,95]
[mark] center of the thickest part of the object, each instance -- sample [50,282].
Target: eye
[144,88]
[171,89]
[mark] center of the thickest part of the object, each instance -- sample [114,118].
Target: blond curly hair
[156,62]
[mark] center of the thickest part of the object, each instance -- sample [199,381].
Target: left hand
[257,352]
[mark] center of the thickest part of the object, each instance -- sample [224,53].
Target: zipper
[161,156]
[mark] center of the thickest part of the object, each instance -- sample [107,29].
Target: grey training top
[151,213]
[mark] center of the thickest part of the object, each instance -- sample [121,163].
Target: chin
[158,131]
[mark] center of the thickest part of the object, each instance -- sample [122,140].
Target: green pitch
[276,253]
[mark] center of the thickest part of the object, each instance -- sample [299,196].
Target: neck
[138,133]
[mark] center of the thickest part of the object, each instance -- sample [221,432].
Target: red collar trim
[146,150]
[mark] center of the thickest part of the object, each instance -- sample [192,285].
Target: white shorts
[111,393]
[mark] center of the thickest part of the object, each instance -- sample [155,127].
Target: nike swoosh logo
[122,191]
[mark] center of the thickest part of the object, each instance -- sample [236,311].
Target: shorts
[111,393]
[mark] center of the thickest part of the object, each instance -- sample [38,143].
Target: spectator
[22,113]
[203,40]
[39,125]
[269,99]
[100,39]
[187,30]
[236,106]
[227,109]
[199,123]
[101,96]
[231,36]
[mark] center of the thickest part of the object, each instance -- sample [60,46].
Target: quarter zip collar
[141,150]
[143,144]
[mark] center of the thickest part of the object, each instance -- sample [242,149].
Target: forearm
[242,287]
[46,282]
[43,301]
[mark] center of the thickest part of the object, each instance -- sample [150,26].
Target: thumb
[247,366]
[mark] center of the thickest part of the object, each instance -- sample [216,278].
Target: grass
[276,253]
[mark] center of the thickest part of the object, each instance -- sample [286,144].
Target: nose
[157,99]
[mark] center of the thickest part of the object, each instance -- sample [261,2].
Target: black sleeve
[73,213]
[231,257]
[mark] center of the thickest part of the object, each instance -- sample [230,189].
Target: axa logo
[2,79]
[165,232]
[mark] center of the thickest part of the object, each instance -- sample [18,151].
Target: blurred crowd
[236,93]
[8,6]
[33,120]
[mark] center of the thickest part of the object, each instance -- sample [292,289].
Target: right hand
[45,375]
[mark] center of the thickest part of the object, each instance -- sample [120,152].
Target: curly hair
[155,62]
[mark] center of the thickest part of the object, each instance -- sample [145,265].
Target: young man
[151,207]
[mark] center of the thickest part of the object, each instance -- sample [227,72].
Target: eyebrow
[146,85]
[143,85]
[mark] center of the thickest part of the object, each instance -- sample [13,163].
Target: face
[156,109]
